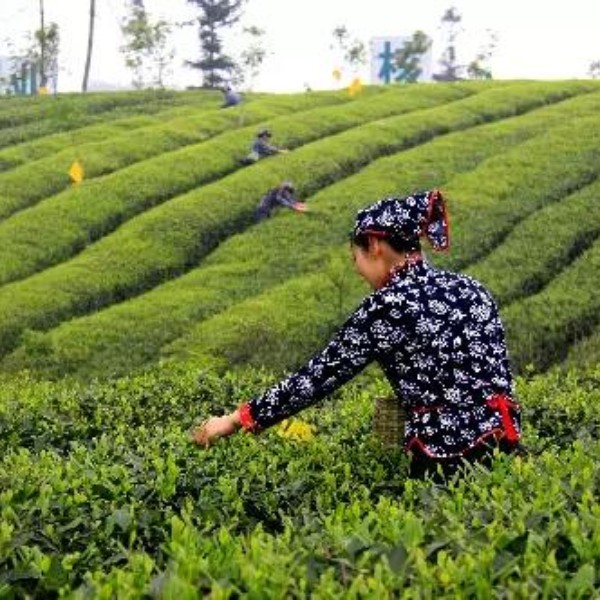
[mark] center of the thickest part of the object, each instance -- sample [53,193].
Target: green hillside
[145,298]
[155,254]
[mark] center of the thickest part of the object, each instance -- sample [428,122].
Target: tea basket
[389,420]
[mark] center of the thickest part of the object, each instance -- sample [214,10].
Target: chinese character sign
[383,63]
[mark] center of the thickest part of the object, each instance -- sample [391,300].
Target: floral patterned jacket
[439,340]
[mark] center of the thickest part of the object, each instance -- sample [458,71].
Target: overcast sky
[536,38]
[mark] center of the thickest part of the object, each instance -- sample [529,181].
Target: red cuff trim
[503,404]
[246,419]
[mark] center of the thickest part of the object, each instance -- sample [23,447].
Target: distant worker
[282,195]
[230,97]
[261,148]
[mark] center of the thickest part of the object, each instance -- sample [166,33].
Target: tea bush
[103,495]
[25,119]
[63,224]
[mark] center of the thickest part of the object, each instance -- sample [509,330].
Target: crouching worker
[436,334]
[230,97]
[261,148]
[282,195]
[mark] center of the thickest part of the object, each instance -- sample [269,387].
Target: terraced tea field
[146,297]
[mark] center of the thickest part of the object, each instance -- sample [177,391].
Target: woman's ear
[375,246]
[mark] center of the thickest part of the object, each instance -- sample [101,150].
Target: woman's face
[368,264]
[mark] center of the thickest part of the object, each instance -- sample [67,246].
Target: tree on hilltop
[449,61]
[217,67]
[479,67]
[353,52]
[90,45]
[42,53]
[146,49]
[451,68]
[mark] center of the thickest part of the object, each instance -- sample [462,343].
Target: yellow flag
[43,90]
[76,172]
[355,87]
[337,74]
[294,429]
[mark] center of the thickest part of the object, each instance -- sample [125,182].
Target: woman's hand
[214,428]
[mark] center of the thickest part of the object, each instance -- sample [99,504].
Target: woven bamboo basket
[389,420]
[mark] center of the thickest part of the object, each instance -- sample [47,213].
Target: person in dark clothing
[230,97]
[261,148]
[282,195]
[436,334]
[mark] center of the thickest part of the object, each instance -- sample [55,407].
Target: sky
[536,39]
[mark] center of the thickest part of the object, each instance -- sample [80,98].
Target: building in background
[5,73]
[17,77]
[383,67]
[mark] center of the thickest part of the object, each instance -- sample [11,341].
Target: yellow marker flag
[337,74]
[76,172]
[355,87]
[294,429]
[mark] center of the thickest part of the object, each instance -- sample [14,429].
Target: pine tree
[216,67]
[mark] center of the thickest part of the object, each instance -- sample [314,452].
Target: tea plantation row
[104,496]
[495,176]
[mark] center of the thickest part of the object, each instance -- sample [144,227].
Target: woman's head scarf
[408,219]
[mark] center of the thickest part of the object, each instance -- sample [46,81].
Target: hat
[264,132]
[409,218]
[287,185]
